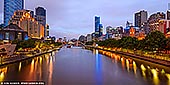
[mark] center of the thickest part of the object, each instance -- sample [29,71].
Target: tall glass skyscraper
[10,6]
[41,17]
[97,26]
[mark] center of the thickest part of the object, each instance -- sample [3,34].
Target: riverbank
[157,61]
[19,58]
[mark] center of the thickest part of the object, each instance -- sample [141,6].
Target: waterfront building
[140,18]
[10,6]
[13,32]
[41,18]
[24,20]
[154,20]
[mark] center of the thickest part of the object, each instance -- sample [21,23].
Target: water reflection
[149,72]
[50,71]
[3,71]
[20,64]
[98,68]
[134,68]
[155,76]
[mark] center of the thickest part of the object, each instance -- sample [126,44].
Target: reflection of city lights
[40,60]
[143,71]
[32,66]
[155,76]
[127,64]
[97,52]
[143,67]
[134,67]
[148,67]
[162,71]
[1,76]
[20,66]
[50,71]
[168,76]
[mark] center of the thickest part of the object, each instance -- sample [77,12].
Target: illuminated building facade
[10,6]
[164,26]
[13,32]
[168,15]
[98,27]
[24,20]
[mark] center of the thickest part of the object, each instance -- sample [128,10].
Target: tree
[167,44]
[155,41]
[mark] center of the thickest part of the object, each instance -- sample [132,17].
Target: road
[76,66]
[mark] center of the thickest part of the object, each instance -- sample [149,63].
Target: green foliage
[89,43]
[155,41]
[24,44]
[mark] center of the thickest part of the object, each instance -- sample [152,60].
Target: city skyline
[73,18]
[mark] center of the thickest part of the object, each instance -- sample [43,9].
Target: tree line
[154,41]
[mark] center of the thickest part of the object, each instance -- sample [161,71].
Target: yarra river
[76,66]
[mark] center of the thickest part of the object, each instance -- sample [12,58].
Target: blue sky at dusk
[72,18]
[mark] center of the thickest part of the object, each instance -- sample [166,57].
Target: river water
[76,66]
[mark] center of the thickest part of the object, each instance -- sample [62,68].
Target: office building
[40,16]
[10,6]
[97,26]
[100,30]
[140,18]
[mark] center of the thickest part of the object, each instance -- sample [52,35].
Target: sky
[72,18]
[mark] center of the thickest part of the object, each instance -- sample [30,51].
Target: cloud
[74,17]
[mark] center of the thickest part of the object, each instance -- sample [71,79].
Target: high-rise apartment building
[140,18]
[154,20]
[10,6]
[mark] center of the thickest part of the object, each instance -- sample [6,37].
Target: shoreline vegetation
[155,47]
[28,49]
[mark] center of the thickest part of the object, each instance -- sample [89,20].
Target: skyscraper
[10,6]
[140,18]
[168,6]
[100,30]
[97,26]
[41,17]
